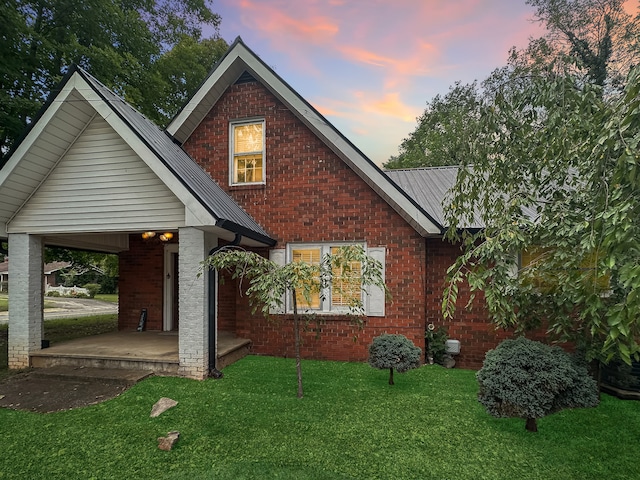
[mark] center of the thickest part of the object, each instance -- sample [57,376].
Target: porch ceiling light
[163,237]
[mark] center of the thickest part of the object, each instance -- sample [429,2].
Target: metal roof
[429,187]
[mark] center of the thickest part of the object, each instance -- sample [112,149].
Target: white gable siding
[99,185]
[53,139]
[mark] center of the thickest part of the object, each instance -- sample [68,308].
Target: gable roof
[240,59]
[204,200]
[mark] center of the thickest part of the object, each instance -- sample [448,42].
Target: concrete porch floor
[153,351]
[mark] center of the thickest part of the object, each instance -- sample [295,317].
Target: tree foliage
[555,169]
[268,284]
[443,132]
[123,43]
[526,379]
[596,38]
[389,351]
[594,41]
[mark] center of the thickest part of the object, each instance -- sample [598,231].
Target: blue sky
[370,66]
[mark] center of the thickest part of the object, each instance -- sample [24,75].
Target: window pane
[346,288]
[312,257]
[248,138]
[248,168]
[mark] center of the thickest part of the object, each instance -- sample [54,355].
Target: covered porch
[93,174]
[152,351]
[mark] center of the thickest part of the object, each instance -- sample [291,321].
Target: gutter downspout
[213,371]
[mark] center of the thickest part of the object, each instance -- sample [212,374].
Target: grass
[60,331]
[350,424]
[107,297]
[4,302]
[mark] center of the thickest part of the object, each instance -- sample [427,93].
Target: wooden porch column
[26,325]
[193,333]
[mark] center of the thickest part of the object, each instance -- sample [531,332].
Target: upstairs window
[247,152]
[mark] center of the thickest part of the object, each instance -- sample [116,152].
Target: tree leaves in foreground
[346,272]
[555,173]
[122,43]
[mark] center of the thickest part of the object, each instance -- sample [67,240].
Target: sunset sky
[370,66]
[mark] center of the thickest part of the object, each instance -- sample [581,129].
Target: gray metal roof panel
[430,186]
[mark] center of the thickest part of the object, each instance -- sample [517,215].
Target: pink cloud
[272,19]
[370,103]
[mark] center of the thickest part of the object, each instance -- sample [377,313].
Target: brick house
[246,161]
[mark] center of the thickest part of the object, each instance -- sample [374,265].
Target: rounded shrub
[394,352]
[93,289]
[526,379]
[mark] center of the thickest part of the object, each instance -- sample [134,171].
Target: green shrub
[526,379]
[93,289]
[394,352]
[436,343]
[53,293]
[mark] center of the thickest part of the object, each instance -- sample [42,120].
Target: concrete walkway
[71,307]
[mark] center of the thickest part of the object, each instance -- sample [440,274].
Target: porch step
[115,375]
[41,361]
[232,350]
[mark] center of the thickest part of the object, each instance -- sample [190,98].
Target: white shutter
[375,297]
[278,256]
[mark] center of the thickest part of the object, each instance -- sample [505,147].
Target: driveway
[71,307]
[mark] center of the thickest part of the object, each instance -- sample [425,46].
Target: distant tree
[394,352]
[594,41]
[122,43]
[346,272]
[595,37]
[176,75]
[526,379]
[443,131]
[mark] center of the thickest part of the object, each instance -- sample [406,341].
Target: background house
[52,274]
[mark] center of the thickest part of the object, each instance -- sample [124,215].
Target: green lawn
[350,424]
[107,297]
[4,302]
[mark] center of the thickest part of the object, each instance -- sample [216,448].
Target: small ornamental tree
[394,352]
[345,272]
[526,379]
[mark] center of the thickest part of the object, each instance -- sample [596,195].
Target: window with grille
[247,163]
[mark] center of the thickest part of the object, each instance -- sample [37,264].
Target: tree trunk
[391,376]
[296,333]
[531,425]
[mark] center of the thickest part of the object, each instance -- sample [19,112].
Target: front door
[170,307]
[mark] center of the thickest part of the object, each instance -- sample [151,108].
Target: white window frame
[326,307]
[233,156]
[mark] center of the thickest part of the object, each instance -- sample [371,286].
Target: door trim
[168,287]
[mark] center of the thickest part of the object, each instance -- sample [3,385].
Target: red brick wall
[141,283]
[312,196]
[470,325]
